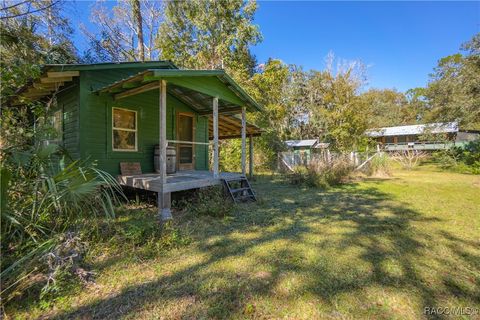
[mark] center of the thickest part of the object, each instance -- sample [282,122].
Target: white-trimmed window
[124,130]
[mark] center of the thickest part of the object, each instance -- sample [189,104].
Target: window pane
[186,154]
[123,119]
[124,140]
[185,128]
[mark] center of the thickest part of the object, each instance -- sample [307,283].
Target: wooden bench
[130,168]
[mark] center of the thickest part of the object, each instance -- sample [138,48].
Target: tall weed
[210,201]
[45,194]
[322,174]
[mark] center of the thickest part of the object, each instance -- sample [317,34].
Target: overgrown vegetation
[136,230]
[211,201]
[372,249]
[44,196]
[380,165]
[464,159]
[322,174]
[58,218]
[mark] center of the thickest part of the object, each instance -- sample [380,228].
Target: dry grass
[377,249]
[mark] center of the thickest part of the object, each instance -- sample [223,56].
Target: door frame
[189,166]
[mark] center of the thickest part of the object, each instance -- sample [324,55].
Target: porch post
[215,137]
[163,198]
[250,162]
[244,139]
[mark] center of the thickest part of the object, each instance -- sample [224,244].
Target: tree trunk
[137,15]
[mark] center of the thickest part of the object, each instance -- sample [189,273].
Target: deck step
[240,178]
[247,197]
[239,189]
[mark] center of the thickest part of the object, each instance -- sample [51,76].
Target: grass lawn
[376,249]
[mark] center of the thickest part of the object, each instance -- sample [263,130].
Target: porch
[208,93]
[179,181]
[423,145]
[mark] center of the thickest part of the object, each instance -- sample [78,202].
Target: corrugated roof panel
[301,143]
[439,127]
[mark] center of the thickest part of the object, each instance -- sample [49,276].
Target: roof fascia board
[105,66]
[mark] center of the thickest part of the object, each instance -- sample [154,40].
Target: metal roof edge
[112,65]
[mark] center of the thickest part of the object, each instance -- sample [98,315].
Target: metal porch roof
[439,127]
[230,127]
[194,87]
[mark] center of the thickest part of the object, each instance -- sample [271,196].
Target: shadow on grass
[380,230]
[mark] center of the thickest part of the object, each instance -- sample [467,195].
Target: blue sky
[399,41]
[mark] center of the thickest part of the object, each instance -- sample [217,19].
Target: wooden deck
[179,181]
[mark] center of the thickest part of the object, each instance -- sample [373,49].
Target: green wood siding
[68,102]
[96,123]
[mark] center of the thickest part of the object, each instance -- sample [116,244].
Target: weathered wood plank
[250,160]
[244,138]
[232,110]
[163,200]
[130,168]
[182,180]
[138,90]
[54,80]
[215,138]
[60,74]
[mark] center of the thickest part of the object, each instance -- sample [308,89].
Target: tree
[387,107]
[418,108]
[454,88]
[32,33]
[216,34]
[202,34]
[127,32]
[335,111]
[268,87]
[137,14]
[16,9]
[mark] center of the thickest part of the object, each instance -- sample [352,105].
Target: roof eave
[211,73]
[150,75]
[112,65]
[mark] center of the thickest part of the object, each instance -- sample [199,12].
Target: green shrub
[44,195]
[210,201]
[446,159]
[464,159]
[136,230]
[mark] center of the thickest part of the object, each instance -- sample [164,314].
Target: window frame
[125,129]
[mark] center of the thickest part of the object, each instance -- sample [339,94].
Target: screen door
[185,152]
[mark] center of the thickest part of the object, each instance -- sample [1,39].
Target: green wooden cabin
[116,113]
[109,112]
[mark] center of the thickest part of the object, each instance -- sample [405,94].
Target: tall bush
[44,195]
[462,159]
[323,174]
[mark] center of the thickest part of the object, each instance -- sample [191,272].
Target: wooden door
[186,133]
